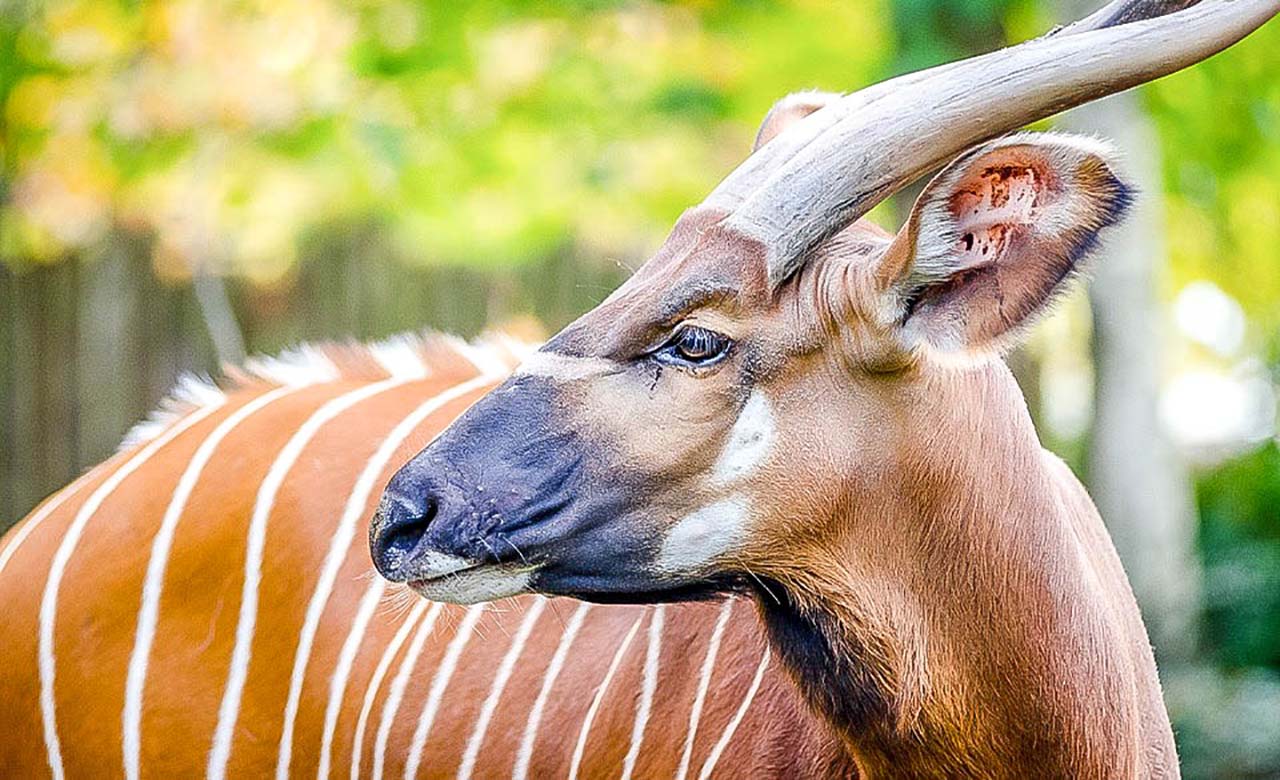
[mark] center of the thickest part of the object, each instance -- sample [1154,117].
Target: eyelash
[694,347]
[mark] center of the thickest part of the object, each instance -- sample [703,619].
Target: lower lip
[425,581]
[475,584]
[498,568]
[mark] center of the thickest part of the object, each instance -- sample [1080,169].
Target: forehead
[701,264]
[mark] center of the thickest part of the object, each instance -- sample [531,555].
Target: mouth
[475,583]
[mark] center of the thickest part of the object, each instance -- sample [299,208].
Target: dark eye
[694,347]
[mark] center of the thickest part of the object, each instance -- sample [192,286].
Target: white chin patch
[749,442]
[701,536]
[473,586]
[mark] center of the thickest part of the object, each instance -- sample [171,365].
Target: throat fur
[870,684]
[835,671]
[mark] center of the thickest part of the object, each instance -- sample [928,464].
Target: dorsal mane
[403,357]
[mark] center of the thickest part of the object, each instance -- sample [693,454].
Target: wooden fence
[89,346]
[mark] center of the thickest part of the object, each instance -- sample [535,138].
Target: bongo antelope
[797,492]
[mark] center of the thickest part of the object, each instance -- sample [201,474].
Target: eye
[694,347]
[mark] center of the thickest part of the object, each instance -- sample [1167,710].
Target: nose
[398,529]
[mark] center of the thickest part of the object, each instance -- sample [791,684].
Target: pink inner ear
[989,207]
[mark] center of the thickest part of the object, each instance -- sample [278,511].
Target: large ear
[788,111]
[998,235]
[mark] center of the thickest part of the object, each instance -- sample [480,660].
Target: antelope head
[771,396]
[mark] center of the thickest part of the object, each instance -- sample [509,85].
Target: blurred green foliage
[478,133]
[1220,126]
[1240,542]
[494,132]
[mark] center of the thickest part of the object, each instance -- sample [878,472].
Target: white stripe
[153,584]
[525,753]
[340,550]
[379,672]
[36,518]
[342,671]
[229,711]
[704,682]
[581,747]
[58,567]
[398,684]
[710,765]
[472,752]
[439,684]
[653,654]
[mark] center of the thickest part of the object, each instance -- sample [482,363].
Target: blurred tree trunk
[1137,480]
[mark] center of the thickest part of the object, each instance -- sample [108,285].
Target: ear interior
[998,235]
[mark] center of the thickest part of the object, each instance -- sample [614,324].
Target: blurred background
[182,183]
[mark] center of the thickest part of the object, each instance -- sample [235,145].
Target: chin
[639,589]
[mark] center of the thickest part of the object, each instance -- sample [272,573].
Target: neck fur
[973,621]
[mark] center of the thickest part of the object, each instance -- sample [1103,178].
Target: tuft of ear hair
[998,235]
[789,110]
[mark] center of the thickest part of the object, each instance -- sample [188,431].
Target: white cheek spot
[749,442]
[704,534]
[565,368]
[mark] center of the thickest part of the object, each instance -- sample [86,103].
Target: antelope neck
[965,621]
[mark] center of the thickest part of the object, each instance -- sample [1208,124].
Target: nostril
[401,529]
[404,536]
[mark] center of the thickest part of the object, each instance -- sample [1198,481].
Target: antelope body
[783,459]
[162,533]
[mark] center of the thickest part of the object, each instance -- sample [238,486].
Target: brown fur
[950,602]
[99,600]
[937,588]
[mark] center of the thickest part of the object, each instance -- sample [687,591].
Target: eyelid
[668,352]
[700,338]
[666,336]
[678,332]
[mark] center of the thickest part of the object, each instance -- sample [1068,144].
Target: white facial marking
[704,534]
[565,368]
[749,443]
[437,564]
[476,585]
